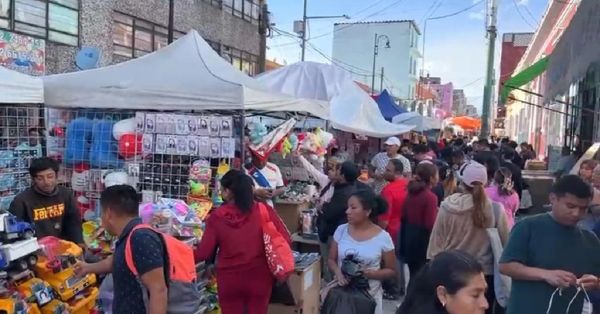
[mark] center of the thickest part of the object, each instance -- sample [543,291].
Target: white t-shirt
[369,252]
[273,175]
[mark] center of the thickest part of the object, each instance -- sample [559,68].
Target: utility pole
[381,82]
[263,29]
[304,31]
[171,21]
[489,81]
[375,52]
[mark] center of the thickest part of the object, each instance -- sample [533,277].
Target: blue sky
[456,47]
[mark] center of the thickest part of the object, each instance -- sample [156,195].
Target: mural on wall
[22,53]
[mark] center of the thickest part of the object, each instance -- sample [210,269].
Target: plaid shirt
[380,161]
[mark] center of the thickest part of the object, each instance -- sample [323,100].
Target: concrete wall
[96,22]
[353,49]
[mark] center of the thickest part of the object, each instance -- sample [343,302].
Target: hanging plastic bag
[587,304]
[348,300]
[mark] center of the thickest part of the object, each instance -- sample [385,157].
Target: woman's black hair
[451,270]
[373,202]
[350,171]
[242,188]
[423,177]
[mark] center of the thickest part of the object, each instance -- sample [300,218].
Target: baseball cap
[472,172]
[392,141]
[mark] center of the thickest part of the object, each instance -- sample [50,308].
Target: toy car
[11,228]
[20,255]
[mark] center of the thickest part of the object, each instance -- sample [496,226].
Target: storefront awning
[523,77]
[577,50]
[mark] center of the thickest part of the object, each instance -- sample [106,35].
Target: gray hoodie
[454,230]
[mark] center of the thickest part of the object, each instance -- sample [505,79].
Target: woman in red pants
[234,233]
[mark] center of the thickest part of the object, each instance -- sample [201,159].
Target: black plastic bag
[348,300]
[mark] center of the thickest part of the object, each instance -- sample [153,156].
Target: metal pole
[487,91]
[423,49]
[381,82]
[304,31]
[171,20]
[374,62]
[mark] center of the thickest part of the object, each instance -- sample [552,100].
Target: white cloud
[480,16]
[522,2]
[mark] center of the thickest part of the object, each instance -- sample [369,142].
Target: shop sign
[22,53]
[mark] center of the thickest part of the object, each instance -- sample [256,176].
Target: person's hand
[81,269]
[341,278]
[264,194]
[588,282]
[560,278]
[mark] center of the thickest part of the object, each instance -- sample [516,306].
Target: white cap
[472,172]
[392,141]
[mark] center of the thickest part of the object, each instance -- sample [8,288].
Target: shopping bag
[526,200]
[348,300]
[278,251]
[502,283]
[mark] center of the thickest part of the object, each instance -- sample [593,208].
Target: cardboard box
[305,286]
[290,213]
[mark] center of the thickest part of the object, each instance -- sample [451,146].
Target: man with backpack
[140,260]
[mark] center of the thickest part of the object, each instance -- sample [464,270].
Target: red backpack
[183,295]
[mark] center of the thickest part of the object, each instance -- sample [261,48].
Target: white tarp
[18,88]
[420,122]
[186,75]
[577,50]
[351,109]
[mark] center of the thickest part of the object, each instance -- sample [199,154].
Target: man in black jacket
[50,208]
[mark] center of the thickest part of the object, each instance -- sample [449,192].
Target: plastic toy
[78,141]
[127,126]
[257,132]
[80,180]
[20,255]
[115,178]
[36,292]
[11,228]
[56,268]
[103,153]
[130,145]
[201,171]
[198,188]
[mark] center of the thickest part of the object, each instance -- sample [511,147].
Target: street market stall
[21,120]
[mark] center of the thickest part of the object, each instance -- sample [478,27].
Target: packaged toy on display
[97,240]
[173,217]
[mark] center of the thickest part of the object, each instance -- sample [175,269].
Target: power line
[457,12]
[521,15]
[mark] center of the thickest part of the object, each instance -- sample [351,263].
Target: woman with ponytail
[234,234]
[420,211]
[366,241]
[462,222]
[502,191]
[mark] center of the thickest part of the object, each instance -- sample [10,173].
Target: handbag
[280,258]
[502,283]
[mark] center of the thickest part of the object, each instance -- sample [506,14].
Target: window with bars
[53,20]
[249,10]
[133,37]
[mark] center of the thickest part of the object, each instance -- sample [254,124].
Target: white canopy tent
[420,122]
[186,75]
[350,108]
[18,88]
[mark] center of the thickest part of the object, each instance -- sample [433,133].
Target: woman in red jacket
[234,233]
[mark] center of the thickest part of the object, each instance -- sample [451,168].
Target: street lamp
[375,53]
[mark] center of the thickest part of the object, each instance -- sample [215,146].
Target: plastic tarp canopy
[421,123]
[18,88]
[186,75]
[387,106]
[350,108]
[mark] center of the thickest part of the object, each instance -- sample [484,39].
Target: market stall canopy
[466,122]
[523,77]
[350,108]
[186,75]
[577,50]
[421,123]
[18,88]
[388,106]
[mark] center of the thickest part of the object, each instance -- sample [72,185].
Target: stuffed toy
[116,178]
[104,151]
[257,132]
[80,180]
[78,141]
[127,126]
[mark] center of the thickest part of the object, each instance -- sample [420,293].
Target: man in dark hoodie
[50,208]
